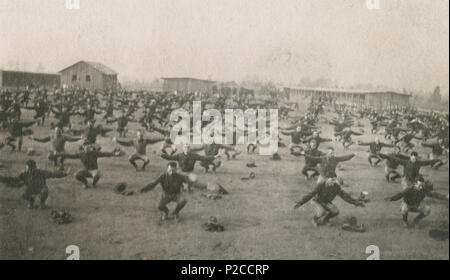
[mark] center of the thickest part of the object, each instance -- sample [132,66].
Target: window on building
[74,78]
[88,78]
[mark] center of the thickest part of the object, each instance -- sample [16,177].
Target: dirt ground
[258,214]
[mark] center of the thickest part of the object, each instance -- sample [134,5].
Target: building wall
[172,85]
[297,95]
[82,70]
[109,82]
[17,79]
[387,99]
[187,85]
[375,99]
[200,86]
[401,100]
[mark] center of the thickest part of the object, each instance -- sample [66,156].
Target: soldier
[16,132]
[375,149]
[88,157]
[412,200]
[140,145]
[411,167]
[35,182]
[346,137]
[310,164]
[58,145]
[323,195]
[172,184]
[328,163]
[437,152]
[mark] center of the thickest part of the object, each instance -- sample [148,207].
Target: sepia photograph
[224,130]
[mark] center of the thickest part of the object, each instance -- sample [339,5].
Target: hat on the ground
[351,224]
[120,187]
[438,234]
[213,225]
[250,177]
[275,156]
[212,196]
[61,217]
[216,188]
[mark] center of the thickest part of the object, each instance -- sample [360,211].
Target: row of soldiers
[414,187]
[152,111]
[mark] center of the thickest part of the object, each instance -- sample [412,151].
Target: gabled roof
[97,65]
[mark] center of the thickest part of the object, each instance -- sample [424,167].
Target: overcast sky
[404,44]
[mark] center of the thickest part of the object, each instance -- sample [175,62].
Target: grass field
[258,214]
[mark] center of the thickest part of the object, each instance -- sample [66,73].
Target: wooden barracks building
[187,85]
[377,99]
[84,74]
[21,79]
[90,75]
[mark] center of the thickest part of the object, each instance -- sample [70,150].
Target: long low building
[377,99]
[187,85]
[83,74]
[21,79]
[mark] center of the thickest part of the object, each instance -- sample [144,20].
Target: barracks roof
[97,65]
